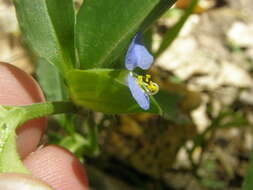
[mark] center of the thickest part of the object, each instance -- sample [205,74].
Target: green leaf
[172,33]
[83,144]
[50,81]
[248,182]
[169,103]
[104,28]
[74,144]
[48,28]
[104,90]
[62,15]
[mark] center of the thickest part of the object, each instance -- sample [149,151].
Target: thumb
[21,182]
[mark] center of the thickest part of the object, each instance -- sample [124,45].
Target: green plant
[81,53]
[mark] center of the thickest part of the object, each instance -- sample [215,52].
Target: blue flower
[138,55]
[140,96]
[140,86]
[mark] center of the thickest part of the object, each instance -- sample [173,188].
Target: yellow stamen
[148,78]
[140,79]
[146,84]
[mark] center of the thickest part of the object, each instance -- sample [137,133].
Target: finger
[58,168]
[21,182]
[18,88]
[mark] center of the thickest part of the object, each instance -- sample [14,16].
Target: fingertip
[19,88]
[57,167]
[29,135]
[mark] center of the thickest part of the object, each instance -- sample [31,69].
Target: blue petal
[138,55]
[139,95]
[144,58]
[131,59]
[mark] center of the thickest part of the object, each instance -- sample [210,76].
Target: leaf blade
[42,33]
[64,24]
[104,28]
[52,85]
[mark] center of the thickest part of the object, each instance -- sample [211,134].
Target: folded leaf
[105,90]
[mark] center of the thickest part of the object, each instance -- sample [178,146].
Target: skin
[51,166]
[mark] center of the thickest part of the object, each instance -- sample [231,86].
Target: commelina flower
[140,86]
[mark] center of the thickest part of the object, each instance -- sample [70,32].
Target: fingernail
[21,182]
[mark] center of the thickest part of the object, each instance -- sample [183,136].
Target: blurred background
[204,66]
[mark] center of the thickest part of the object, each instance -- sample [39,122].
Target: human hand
[52,165]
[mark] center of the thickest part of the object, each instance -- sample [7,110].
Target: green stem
[14,116]
[92,148]
[44,109]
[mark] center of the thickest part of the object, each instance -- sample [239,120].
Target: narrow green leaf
[172,33]
[104,90]
[48,28]
[62,14]
[157,12]
[104,28]
[248,180]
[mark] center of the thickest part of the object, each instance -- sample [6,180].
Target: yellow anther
[147,77]
[152,87]
[140,79]
[147,85]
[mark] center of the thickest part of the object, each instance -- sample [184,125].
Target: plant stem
[47,108]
